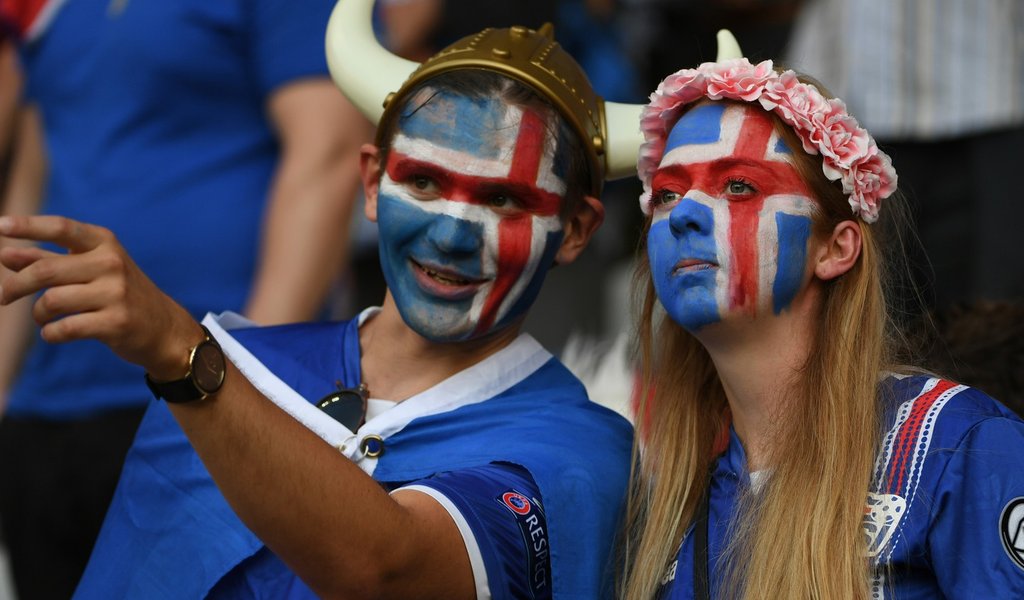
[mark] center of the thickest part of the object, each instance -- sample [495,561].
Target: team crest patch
[1011,530]
[882,516]
[533,526]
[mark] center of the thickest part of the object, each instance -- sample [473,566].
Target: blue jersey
[155,117]
[945,514]
[531,471]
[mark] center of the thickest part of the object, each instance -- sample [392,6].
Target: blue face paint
[794,231]
[468,215]
[701,125]
[682,250]
[731,218]
[443,243]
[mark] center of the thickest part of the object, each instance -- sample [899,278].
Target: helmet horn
[728,47]
[622,124]
[363,69]
[368,74]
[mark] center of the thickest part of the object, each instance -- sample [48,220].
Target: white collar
[482,381]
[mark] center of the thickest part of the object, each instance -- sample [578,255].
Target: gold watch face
[208,367]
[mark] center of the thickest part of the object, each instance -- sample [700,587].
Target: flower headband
[823,125]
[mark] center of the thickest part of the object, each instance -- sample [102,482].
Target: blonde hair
[801,535]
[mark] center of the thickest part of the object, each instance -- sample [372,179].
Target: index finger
[67,233]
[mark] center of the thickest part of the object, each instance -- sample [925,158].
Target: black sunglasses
[346,406]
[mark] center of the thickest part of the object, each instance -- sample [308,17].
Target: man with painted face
[426,448]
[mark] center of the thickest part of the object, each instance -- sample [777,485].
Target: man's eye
[422,186]
[739,187]
[663,197]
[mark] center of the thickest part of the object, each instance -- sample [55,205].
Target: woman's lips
[693,265]
[445,283]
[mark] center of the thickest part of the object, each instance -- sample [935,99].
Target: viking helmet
[377,81]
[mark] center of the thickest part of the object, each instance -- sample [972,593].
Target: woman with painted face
[783,453]
[426,448]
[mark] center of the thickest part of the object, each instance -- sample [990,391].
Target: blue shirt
[945,515]
[532,472]
[156,128]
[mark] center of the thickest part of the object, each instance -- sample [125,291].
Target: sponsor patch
[1011,530]
[529,516]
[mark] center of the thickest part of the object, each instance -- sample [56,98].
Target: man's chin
[430,326]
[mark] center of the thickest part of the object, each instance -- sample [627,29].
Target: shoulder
[938,432]
[949,409]
[559,403]
[953,460]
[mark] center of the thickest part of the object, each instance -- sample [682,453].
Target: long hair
[801,534]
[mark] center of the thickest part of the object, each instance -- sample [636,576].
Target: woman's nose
[690,217]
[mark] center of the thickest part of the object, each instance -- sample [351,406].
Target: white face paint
[731,219]
[468,213]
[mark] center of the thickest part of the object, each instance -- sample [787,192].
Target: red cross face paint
[731,219]
[468,211]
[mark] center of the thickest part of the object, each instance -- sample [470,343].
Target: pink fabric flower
[795,102]
[823,125]
[839,139]
[737,79]
[868,182]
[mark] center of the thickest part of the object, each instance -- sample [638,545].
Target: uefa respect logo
[1011,530]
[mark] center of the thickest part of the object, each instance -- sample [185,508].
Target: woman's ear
[369,170]
[579,228]
[840,251]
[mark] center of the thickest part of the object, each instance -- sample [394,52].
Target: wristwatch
[206,370]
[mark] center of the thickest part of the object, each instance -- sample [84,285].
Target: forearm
[21,196]
[326,518]
[10,90]
[15,330]
[329,521]
[305,239]
[304,247]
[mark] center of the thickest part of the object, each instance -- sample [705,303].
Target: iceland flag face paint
[468,213]
[732,218]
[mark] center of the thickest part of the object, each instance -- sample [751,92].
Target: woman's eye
[503,201]
[739,187]
[422,182]
[663,197]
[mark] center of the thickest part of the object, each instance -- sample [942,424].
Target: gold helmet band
[377,81]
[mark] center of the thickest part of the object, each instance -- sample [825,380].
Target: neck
[398,363]
[759,364]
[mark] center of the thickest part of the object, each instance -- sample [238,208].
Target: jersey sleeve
[976,538]
[499,512]
[287,40]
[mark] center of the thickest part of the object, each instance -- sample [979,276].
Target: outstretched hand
[96,291]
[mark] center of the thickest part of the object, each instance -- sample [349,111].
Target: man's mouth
[446,282]
[445,278]
[692,265]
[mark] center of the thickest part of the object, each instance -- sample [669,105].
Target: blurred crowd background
[940,84]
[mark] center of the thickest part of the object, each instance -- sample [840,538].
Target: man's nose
[454,235]
[691,217]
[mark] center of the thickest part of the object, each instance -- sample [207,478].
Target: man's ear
[579,228]
[840,252]
[370,170]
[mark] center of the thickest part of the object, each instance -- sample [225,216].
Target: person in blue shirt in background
[210,139]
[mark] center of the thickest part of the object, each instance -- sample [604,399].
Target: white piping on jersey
[476,558]
[482,381]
